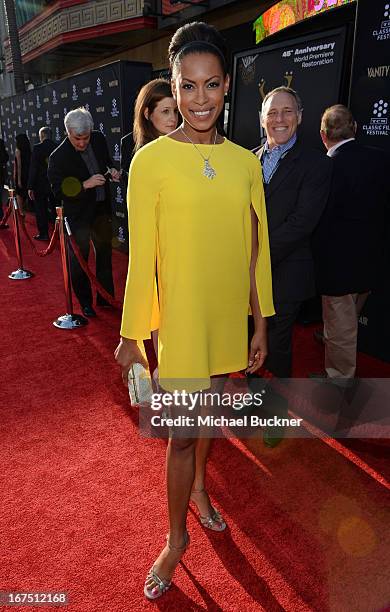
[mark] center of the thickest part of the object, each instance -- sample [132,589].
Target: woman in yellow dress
[196,209]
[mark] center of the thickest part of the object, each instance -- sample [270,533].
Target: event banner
[311,65]
[107,92]
[370,90]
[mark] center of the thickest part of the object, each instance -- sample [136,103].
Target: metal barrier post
[68,320]
[20,273]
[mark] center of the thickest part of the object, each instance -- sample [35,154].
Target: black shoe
[5,226]
[39,237]
[318,375]
[88,311]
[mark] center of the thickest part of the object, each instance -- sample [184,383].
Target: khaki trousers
[340,315]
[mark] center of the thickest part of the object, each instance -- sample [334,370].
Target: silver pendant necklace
[208,170]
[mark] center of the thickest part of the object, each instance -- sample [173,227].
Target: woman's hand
[258,350]
[127,354]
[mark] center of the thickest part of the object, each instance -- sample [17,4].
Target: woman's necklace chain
[208,170]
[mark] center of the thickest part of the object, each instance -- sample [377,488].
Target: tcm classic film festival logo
[119,201]
[117,154]
[379,122]
[121,234]
[114,110]
[99,88]
[383,32]
[119,197]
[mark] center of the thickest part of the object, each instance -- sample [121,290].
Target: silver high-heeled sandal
[158,586]
[213,521]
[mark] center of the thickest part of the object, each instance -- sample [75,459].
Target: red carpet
[83,495]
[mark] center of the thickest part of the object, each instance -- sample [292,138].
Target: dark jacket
[67,171]
[3,161]
[349,241]
[37,177]
[295,199]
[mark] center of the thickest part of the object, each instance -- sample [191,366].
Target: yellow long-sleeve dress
[199,232]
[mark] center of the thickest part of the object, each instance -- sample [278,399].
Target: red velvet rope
[93,280]
[6,215]
[53,238]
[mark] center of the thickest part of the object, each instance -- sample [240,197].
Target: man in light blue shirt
[296,186]
[271,157]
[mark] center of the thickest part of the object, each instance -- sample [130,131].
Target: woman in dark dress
[21,168]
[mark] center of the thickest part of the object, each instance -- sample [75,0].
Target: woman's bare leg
[201,454]
[185,468]
[180,476]
[180,468]
[199,495]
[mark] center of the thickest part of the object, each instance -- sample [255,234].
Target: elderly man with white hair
[79,171]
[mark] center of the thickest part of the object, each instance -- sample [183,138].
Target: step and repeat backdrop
[313,66]
[370,104]
[108,93]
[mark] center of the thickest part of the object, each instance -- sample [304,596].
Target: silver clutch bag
[140,385]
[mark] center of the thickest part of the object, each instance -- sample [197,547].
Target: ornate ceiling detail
[68,19]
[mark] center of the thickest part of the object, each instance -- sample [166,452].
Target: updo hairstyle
[197,37]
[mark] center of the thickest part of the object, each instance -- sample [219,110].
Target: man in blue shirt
[296,185]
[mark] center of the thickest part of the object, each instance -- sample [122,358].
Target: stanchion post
[7,213]
[20,273]
[68,320]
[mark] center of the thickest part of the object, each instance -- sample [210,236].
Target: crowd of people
[216,230]
[20,170]
[29,178]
